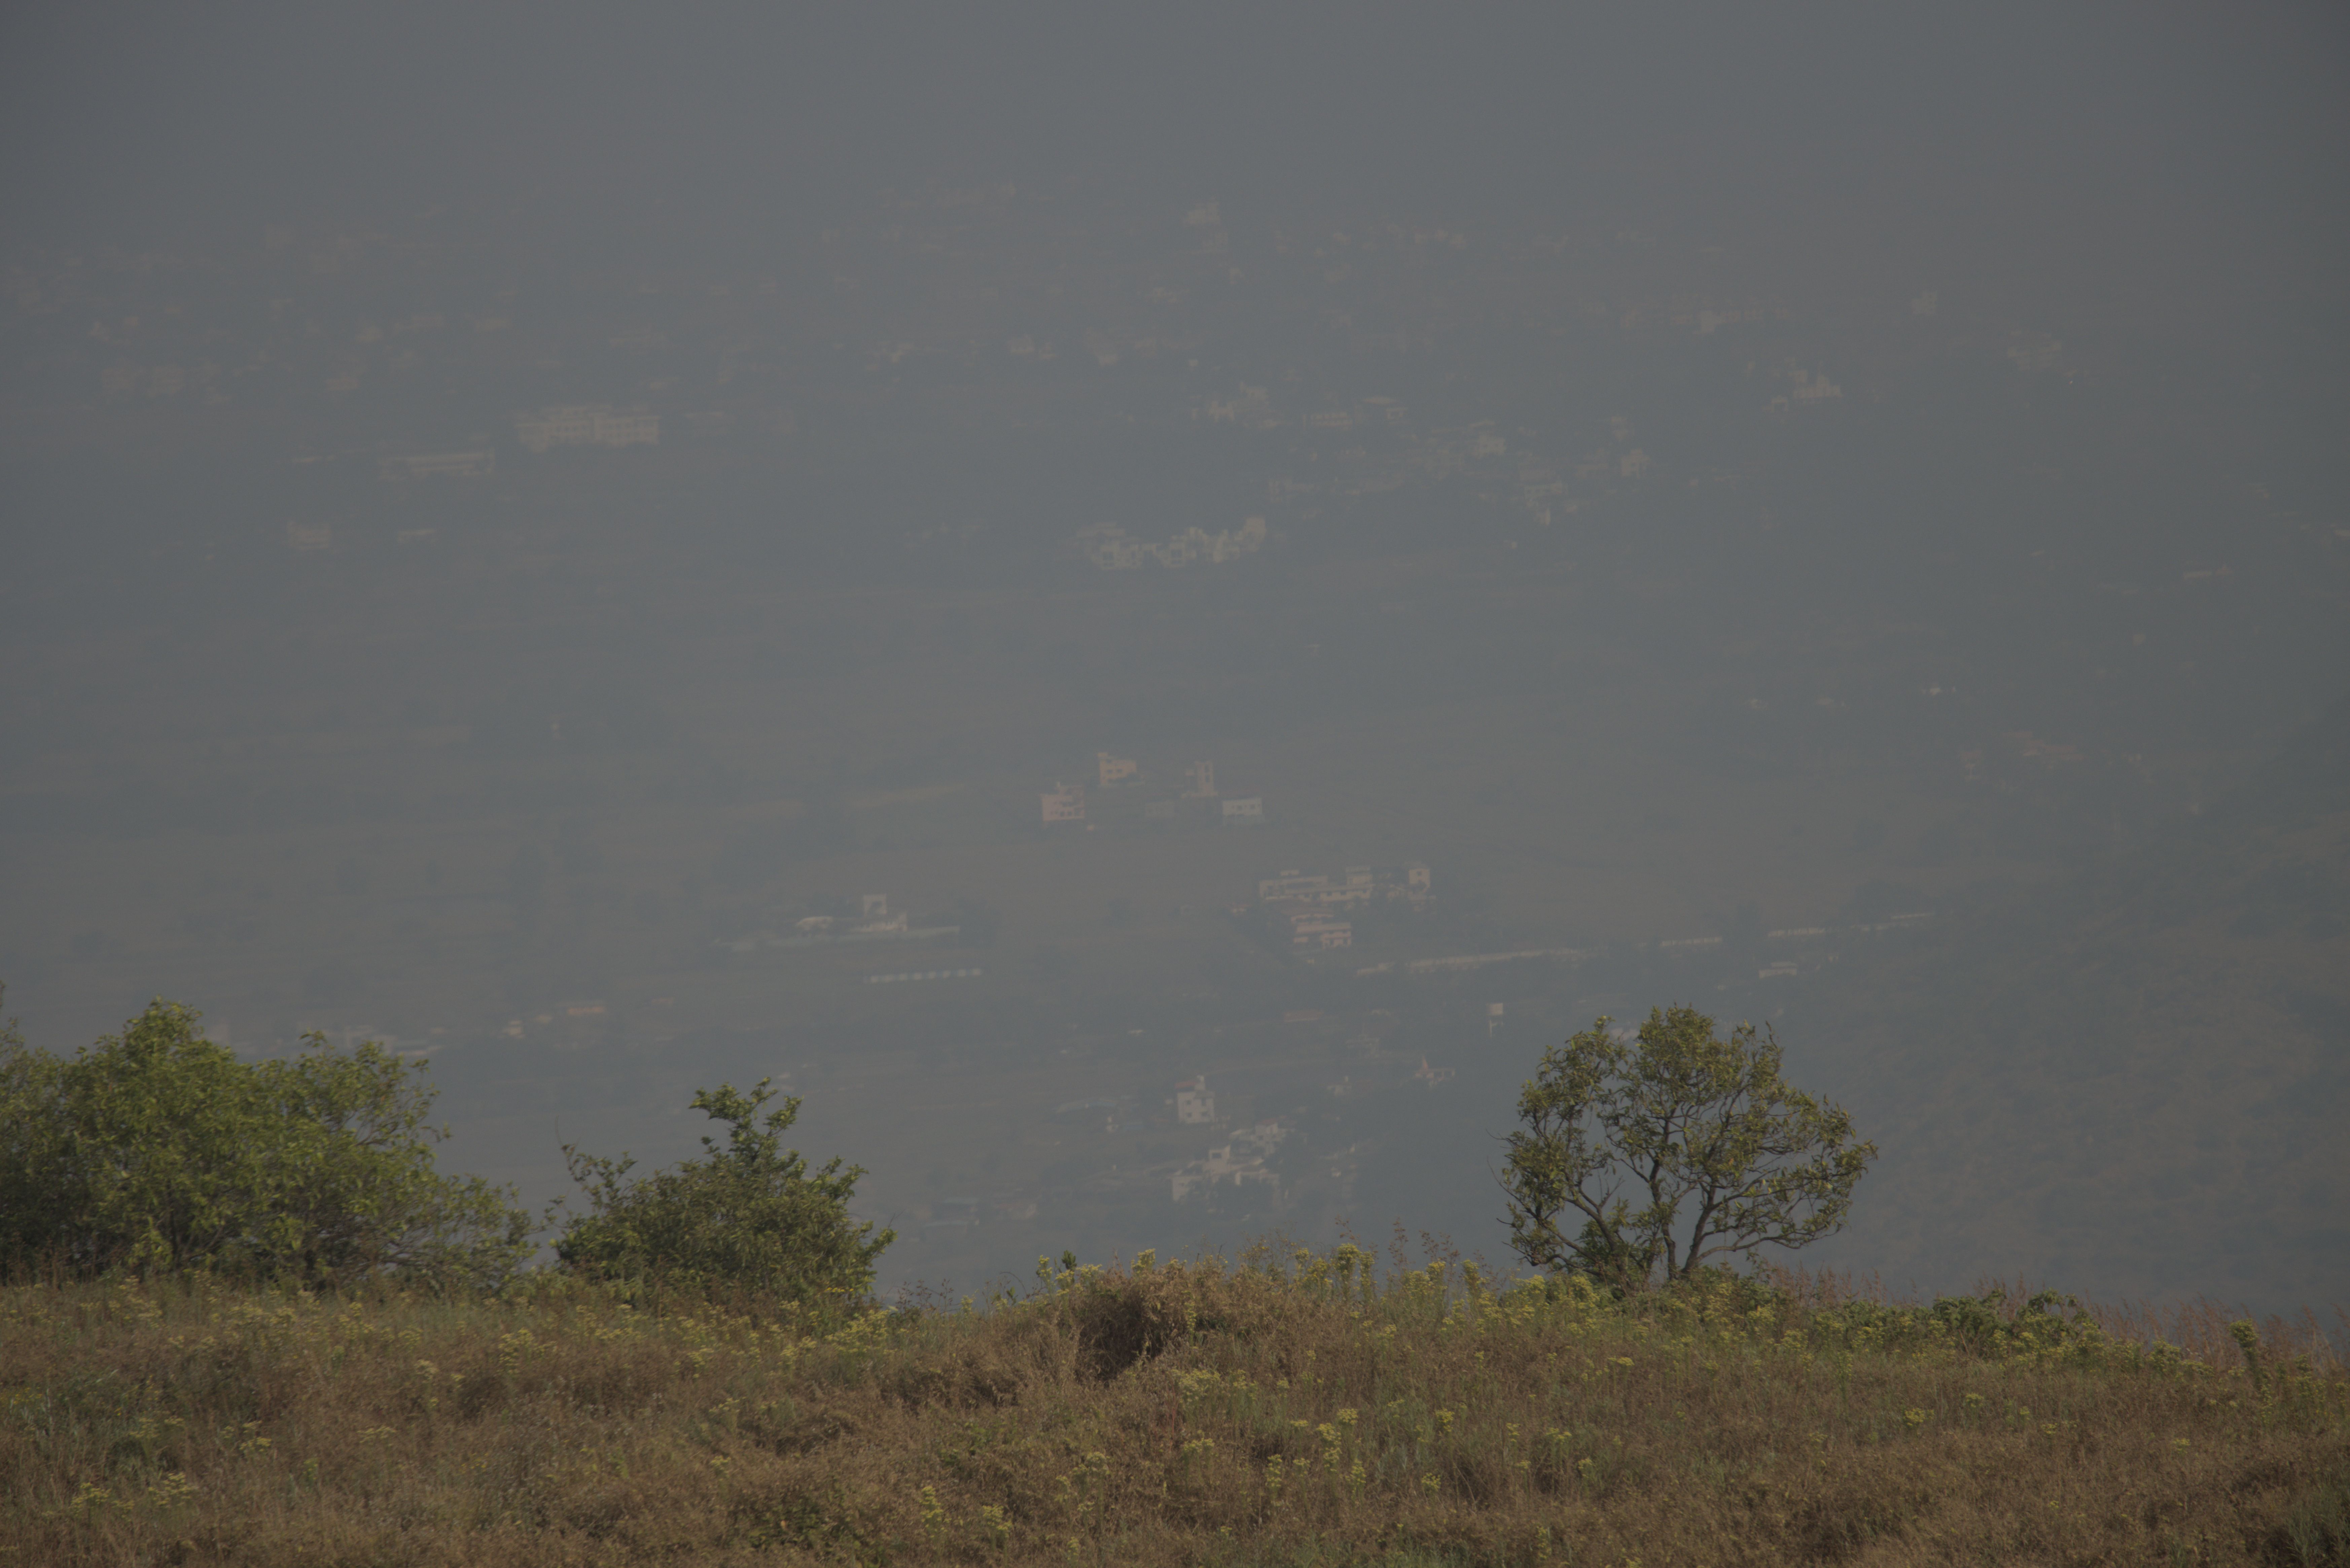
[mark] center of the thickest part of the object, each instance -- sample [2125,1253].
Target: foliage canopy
[156,1149]
[1675,1149]
[752,1214]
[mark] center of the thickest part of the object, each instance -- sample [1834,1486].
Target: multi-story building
[1356,883]
[1320,888]
[1195,1106]
[1312,929]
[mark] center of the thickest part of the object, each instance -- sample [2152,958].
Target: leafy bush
[156,1150]
[750,1216]
[2047,1326]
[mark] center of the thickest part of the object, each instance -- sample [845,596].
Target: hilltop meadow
[1279,1408]
[245,1319]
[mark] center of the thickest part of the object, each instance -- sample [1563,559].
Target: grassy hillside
[1278,1411]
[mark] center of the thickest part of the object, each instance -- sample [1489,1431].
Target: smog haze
[1141,606]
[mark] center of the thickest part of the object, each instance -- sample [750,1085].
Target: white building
[1108,546]
[1250,406]
[874,919]
[584,424]
[1241,1162]
[439,465]
[1194,1105]
[1309,929]
[1812,388]
[2035,354]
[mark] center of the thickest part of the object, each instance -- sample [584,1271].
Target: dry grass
[1239,1414]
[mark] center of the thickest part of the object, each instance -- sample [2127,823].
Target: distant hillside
[2136,1082]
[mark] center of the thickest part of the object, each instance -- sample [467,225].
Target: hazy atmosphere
[1141,606]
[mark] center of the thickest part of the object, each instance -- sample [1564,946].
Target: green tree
[751,1214]
[156,1149]
[1677,1147]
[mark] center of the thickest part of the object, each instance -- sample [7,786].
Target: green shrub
[2047,1324]
[750,1216]
[156,1151]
